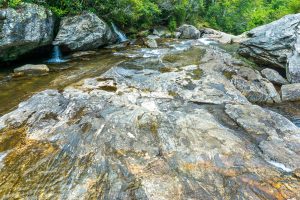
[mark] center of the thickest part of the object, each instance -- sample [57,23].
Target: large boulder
[188,32]
[83,32]
[276,44]
[24,29]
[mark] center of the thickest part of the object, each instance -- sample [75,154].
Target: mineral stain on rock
[136,132]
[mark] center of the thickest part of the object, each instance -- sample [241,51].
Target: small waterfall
[122,37]
[56,56]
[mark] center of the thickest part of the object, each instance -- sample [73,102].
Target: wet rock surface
[32,69]
[276,44]
[168,123]
[83,32]
[24,29]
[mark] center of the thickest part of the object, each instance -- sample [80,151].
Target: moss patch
[228,74]
[10,138]
[36,167]
[192,56]
[165,69]
[172,93]
[109,88]
[197,74]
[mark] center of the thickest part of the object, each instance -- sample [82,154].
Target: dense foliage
[235,16]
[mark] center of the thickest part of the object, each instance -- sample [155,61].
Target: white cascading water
[122,37]
[56,56]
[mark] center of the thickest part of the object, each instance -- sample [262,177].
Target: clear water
[280,166]
[122,37]
[56,56]
[15,90]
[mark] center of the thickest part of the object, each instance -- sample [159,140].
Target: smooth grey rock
[188,32]
[32,69]
[24,29]
[273,76]
[290,92]
[150,42]
[83,32]
[277,137]
[276,44]
[153,37]
[83,53]
[221,37]
[293,66]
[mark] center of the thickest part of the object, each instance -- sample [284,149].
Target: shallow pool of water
[15,90]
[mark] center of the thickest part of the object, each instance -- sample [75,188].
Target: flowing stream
[56,56]
[122,37]
[17,89]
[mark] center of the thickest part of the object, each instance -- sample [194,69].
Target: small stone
[297,172]
[17,74]
[290,92]
[32,69]
[274,76]
[153,37]
[151,43]
[83,53]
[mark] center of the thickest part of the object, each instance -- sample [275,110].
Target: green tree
[234,16]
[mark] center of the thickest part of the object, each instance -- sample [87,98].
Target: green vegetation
[233,16]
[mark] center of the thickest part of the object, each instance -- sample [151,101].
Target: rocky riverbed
[175,122]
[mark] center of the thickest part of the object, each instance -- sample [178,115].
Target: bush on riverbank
[233,16]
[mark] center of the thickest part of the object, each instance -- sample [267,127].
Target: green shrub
[172,25]
[234,16]
[10,3]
